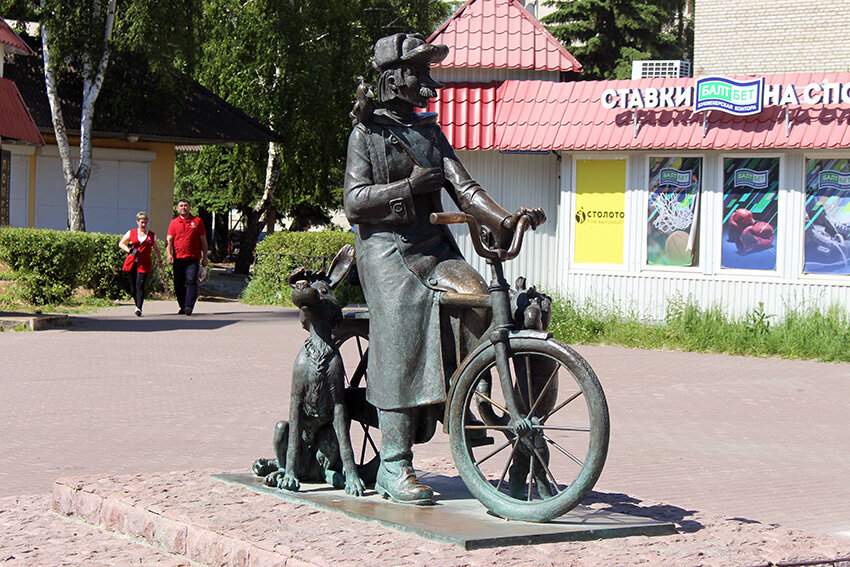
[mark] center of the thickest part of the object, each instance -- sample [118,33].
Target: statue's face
[417,86]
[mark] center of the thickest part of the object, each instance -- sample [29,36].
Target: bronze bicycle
[526,416]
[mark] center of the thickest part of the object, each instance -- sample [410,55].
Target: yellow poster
[600,211]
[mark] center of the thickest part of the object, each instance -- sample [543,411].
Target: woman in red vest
[138,244]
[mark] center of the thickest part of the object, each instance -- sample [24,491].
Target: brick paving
[746,440]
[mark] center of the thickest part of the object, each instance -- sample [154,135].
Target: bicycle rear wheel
[546,460]
[352,340]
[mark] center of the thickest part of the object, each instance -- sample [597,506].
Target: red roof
[15,120]
[14,44]
[501,34]
[545,115]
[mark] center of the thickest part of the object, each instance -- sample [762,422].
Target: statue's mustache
[427,92]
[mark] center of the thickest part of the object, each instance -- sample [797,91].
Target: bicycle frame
[498,301]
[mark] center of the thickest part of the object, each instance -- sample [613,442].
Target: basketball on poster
[673,212]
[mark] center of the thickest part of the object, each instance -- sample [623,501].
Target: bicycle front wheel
[544,461]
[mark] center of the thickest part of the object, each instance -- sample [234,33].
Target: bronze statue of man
[399,161]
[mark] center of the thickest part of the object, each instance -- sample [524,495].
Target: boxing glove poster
[750,193]
[826,247]
[672,237]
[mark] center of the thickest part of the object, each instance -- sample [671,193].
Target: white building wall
[119,187]
[547,181]
[648,291]
[514,180]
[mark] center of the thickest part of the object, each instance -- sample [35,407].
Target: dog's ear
[298,274]
[341,265]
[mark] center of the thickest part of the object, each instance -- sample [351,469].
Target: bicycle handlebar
[477,239]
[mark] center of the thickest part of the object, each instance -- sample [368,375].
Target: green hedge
[49,264]
[281,252]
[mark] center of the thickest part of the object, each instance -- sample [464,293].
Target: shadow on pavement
[625,504]
[159,322]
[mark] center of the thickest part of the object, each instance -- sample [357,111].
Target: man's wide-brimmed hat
[406,48]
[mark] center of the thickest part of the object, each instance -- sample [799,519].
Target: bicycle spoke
[491,402]
[508,442]
[369,437]
[363,449]
[507,464]
[564,451]
[560,428]
[546,468]
[543,391]
[359,347]
[528,383]
[559,406]
[530,477]
[359,372]
[487,427]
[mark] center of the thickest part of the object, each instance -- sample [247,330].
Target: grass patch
[801,334]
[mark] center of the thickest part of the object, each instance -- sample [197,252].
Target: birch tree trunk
[254,216]
[77,178]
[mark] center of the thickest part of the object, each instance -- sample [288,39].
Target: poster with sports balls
[750,193]
[826,247]
[672,235]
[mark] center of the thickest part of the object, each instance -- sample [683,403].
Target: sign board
[600,211]
[732,97]
[727,95]
[5,191]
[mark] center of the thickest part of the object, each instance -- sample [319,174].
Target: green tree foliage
[79,38]
[293,65]
[607,35]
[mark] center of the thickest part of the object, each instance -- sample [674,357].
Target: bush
[281,252]
[49,264]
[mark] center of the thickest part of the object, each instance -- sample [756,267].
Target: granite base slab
[460,519]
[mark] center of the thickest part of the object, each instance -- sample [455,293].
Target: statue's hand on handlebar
[535,216]
[425,180]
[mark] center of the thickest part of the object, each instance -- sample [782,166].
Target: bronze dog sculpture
[314,444]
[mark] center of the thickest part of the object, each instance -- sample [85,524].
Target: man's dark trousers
[186,282]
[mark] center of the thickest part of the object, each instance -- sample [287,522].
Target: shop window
[672,236]
[750,224]
[827,217]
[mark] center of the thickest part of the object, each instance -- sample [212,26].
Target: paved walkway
[761,440]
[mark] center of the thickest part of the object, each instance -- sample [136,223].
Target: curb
[172,535]
[32,322]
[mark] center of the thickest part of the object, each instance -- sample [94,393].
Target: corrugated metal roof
[543,115]
[467,114]
[501,34]
[13,42]
[15,120]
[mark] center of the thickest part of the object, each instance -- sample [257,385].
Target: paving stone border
[178,536]
[192,516]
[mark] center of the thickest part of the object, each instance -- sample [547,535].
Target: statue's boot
[396,479]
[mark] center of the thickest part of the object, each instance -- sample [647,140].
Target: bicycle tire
[477,470]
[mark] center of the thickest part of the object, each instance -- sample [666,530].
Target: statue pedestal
[460,519]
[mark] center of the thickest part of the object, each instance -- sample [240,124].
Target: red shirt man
[184,237]
[186,247]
